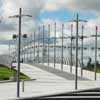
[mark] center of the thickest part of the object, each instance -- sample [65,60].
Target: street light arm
[95,36]
[80,20]
[28,15]
[16,16]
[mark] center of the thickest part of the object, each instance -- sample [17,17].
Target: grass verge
[6,73]
[92,69]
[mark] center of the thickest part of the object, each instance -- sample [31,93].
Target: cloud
[74,5]
[4,49]
[11,7]
[6,26]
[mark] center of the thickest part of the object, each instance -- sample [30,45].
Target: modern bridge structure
[51,60]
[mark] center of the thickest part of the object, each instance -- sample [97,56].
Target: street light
[43,44]
[48,41]
[71,47]
[95,66]
[38,44]
[95,52]
[54,45]
[19,46]
[77,32]
[62,47]
[34,46]
[82,38]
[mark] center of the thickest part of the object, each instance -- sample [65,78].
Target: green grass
[6,73]
[92,69]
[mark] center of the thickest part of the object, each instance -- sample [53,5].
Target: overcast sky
[45,12]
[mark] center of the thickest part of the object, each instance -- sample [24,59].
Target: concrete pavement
[45,84]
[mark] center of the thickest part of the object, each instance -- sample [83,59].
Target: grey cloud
[5,27]
[87,4]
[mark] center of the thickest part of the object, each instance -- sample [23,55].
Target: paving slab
[46,83]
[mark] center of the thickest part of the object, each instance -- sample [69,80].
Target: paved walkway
[63,74]
[66,68]
[45,84]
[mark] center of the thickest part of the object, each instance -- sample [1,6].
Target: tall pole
[71,48]
[48,41]
[95,53]
[54,45]
[9,52]
[24,51]
[77,22]
[43,46]
[38,43]
[62,47]
[27,50]
[82,51]
[19,40]
[34,47]
[30,46]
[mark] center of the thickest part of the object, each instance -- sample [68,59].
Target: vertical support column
[19,43]
[62,48]
[48,41]
[54,44]
[30,46]
[82,51]
[38,43]
[27,50]
[95,76]
[9,52]
[24,51]
[71,48]
[43,46]
[34,47]
[76,72]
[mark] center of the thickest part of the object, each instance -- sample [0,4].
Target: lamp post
[43,45]
[95,65]
[34,47]
[48,41]
[77,35]
[54,45]
[31,49]
[95,75]
[82,51]
[38,44]
[19,44]
[27,50]
[62,47]
[71,47]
